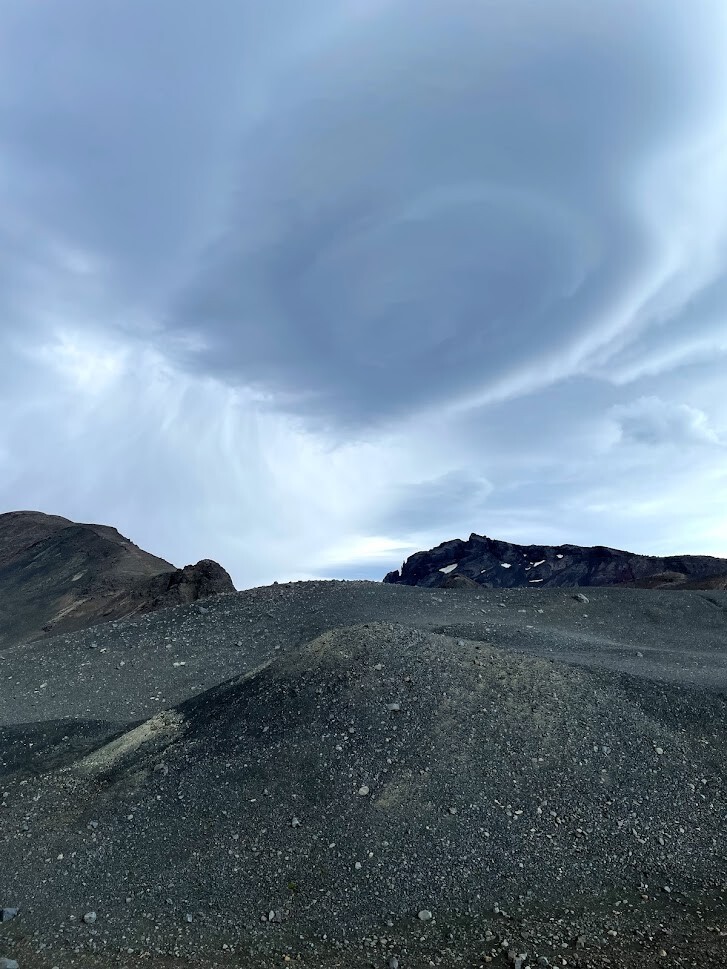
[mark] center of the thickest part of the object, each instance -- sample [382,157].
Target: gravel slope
[344,756]
[130,669]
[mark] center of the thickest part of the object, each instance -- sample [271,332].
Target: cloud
[518,221]
[652,421]
[445,503]
[303,285]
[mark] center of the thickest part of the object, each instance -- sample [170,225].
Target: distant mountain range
[58,576]
[483,561]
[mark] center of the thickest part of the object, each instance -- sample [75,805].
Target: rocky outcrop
[484,561]
[59,576]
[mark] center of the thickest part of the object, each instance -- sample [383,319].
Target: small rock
[7,913]
[188,917]
[89,918]
[579,597]
[393,707]
[639,654]
[363,790]
[393,963]
[425,915]
[453,810]
[543,961]
[295,823]
[8,963]
[581,942]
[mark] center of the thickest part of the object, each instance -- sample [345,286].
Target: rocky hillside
[493,564]
[58,576]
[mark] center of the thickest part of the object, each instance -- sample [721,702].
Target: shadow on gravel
[29,749]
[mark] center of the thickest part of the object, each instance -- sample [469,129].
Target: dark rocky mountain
[486,562]
[58,576]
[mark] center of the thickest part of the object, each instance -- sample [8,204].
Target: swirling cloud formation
[307,285]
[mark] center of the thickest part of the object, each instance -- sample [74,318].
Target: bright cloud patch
[650,420]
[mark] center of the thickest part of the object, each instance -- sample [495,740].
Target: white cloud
[650,420]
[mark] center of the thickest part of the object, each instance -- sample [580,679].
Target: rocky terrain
[58,576]
[361,774]
[483,561]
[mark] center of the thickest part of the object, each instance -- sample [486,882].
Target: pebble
[393,963]
[394,707]
[363,790]
[7,913]
[425,915]
[579,597]
[89,918]
[8,963]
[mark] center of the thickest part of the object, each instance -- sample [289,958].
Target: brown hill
[59,576]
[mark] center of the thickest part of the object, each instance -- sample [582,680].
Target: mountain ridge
[59,576]
[495,564]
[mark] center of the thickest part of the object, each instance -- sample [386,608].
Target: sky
[305,286]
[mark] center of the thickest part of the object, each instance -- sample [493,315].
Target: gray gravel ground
[334,759]
[128,670]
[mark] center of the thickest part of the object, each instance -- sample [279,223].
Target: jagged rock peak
[492,563]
